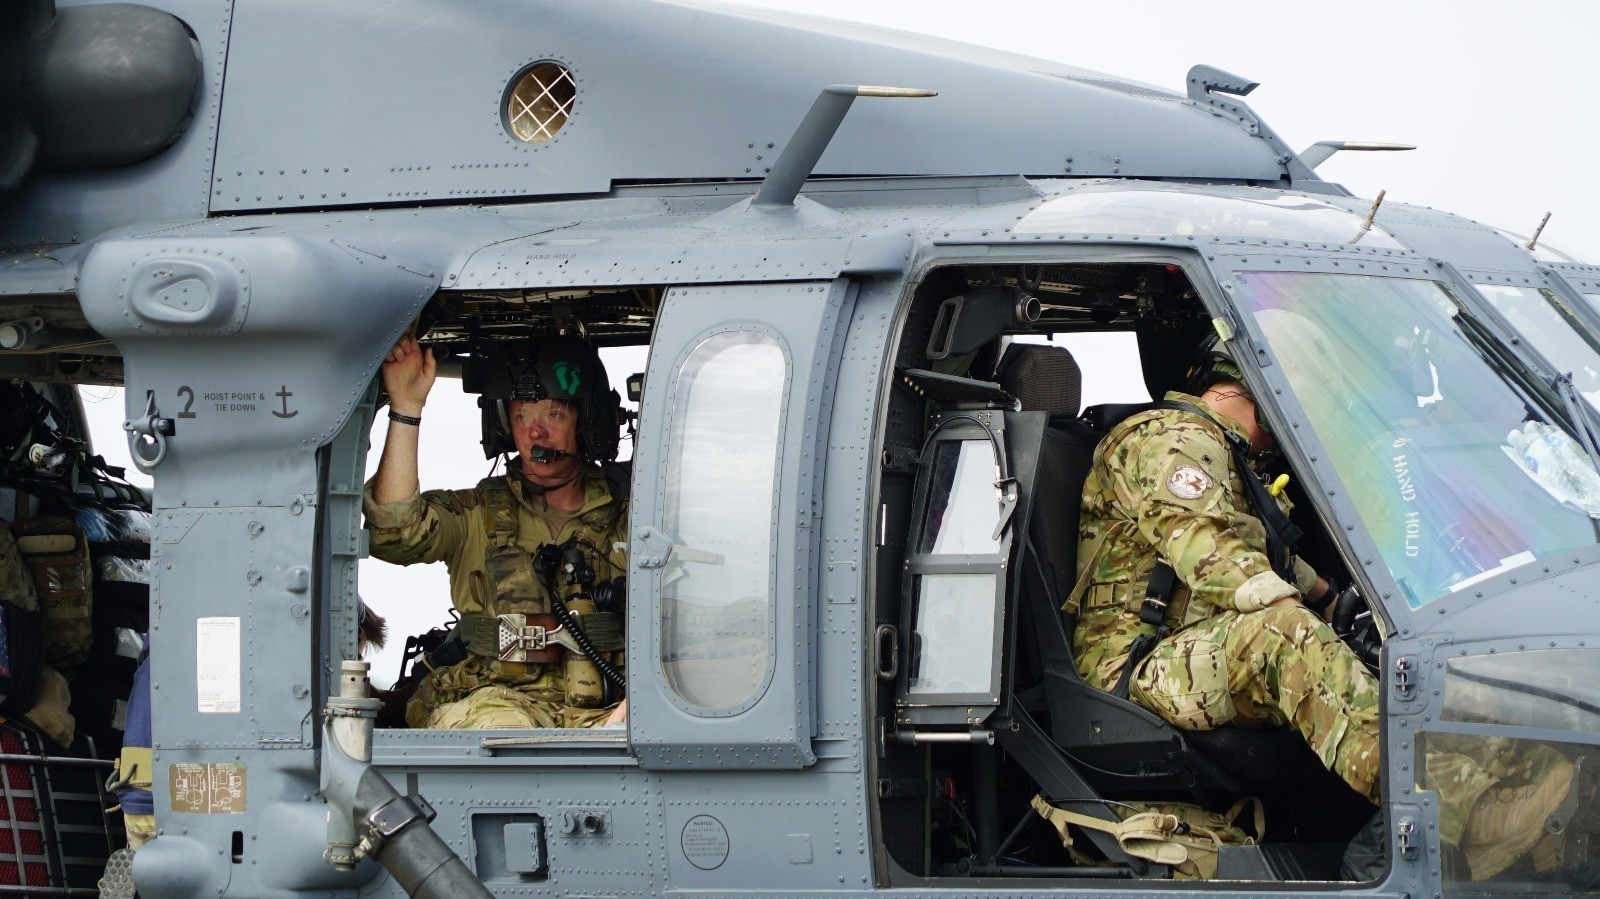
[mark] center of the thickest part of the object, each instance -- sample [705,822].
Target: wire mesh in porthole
[538,102]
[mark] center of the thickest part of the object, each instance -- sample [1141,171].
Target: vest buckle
[519,641]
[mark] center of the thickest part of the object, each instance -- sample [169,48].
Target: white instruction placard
[217,664]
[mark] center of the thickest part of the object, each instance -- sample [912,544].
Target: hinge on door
[653,548]
[1405,685]
[1405,838]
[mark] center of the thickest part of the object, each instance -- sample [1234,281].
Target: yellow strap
[135,767]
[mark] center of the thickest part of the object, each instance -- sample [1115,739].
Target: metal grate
[539,102]
[22,858]
[54,832]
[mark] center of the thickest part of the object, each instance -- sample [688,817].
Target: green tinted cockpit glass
[1416,425]
[1556,689]
[1553,330]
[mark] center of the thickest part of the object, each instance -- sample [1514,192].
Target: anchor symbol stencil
[284,393]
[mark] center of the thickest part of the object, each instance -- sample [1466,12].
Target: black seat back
[1047,379]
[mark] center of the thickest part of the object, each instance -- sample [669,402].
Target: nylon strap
[1146,835]
[1153,615]
[1282,534]
[1073,603]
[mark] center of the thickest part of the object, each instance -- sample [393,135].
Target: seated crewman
[1165,489]
[526,551]
[1242,638]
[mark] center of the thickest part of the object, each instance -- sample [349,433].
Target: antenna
[1534,240]
[1319,152]
[816,131]
[1373,213]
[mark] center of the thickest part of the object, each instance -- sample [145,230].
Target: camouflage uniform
[487,537]
[16,585]
[1163,488]
[1521,782]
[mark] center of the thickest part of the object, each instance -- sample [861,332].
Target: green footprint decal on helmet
[566,376]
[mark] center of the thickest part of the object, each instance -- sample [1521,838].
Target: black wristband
[1321,605]
[413,420]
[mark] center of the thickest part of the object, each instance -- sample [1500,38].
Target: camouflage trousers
[481,692]
[494,706]
[1279,666]
[1464,768]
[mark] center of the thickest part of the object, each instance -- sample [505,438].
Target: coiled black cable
[546,561]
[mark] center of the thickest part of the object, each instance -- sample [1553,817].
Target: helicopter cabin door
[724,534]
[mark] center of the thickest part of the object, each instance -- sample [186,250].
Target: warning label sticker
[217,664]
[215,788]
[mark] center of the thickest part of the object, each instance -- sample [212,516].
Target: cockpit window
[1537,712]
[1541,318]
[1547,688]
[1431,443]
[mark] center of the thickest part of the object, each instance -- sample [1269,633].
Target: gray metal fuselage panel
[712,93]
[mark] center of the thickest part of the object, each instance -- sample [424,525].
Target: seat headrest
[1044,378]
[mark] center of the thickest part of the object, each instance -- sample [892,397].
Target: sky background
[1501,98]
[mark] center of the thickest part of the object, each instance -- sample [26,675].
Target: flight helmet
[1215,362]
[560,368]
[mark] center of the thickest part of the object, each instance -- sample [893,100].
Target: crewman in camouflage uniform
[562,419]
[1243,649]
[1240,645]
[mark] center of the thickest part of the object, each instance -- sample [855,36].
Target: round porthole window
[539,101]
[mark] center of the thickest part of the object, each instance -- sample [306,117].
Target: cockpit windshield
[1551,328]
[1454,473]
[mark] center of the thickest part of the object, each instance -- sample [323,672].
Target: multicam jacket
[460,528]
[1163,488]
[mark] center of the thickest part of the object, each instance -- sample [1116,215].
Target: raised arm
[408,376]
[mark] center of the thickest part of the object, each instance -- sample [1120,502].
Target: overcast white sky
[1502,98]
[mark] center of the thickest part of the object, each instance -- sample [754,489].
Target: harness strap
[1146,835]
[1073,603]
[1153,615]
[1281,532]
[486,636]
